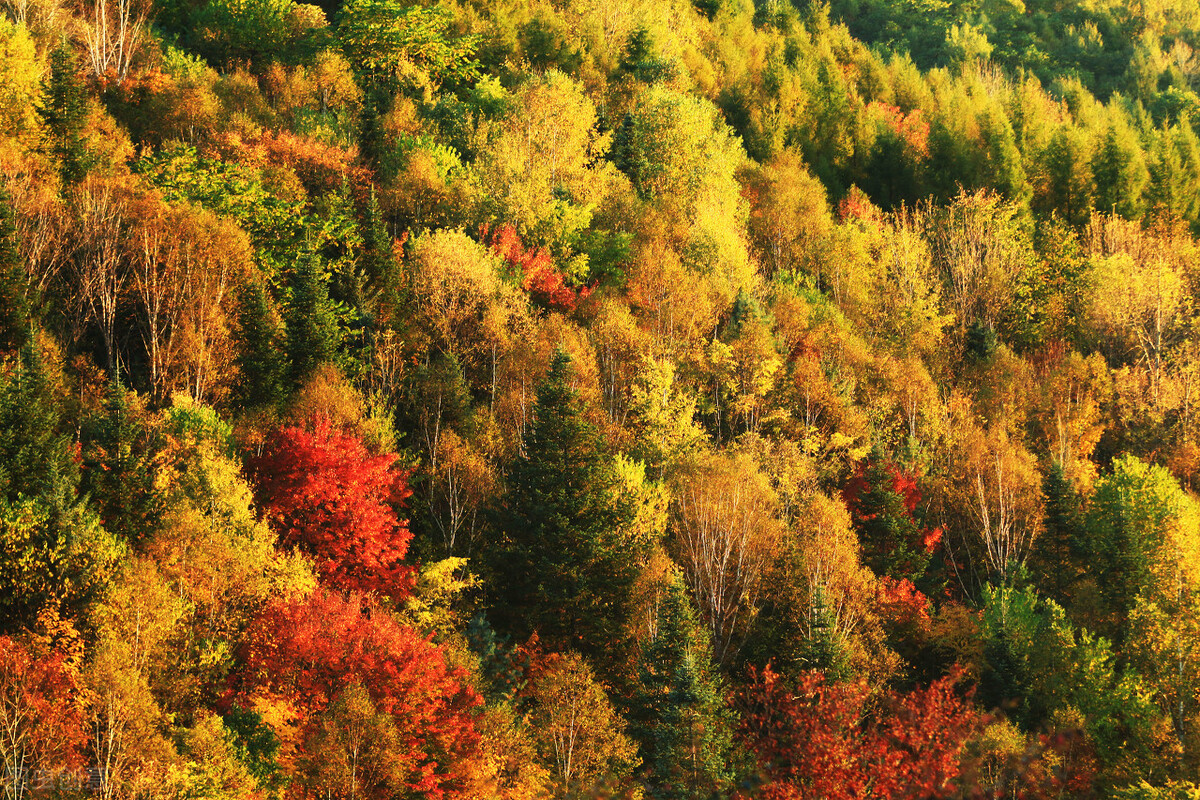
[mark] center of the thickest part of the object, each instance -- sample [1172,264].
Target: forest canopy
[565,399]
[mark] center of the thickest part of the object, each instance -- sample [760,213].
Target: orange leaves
[311,650]
[535,268]
[326,494]
[817,739]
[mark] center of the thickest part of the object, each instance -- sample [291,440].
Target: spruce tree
[1054,563]
[120,458]
[261,361]
[53,553]
[312,329]
[676,713]
[64,110]
[821,649]
[14,306]
[562,567]
[35,451]
[892,541]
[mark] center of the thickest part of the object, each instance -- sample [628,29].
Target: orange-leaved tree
[819,739]
[339,663]
[326,494]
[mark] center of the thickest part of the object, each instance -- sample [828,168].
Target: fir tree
[14,305]
[562,567]
[261,360]
[312,330]
[677,710]
[892,541]
[64,110]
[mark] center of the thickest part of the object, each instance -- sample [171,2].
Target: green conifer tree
[677,714]
[1120,173]
[1054,563]
[562,567]
[892,541]
[312,329]
[821,649]
[64,111]
[120,465]
[261,360]
[14,305]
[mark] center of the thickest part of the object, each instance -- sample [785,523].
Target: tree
[883,501]
[53,552]
[1139,523]
[313,335]
[261,362]
[307,651]
[565,563]
[114,31]
[41,718]
[15,310]
[1119,168]
[725,516]
[677,715]
[120,460]
[64,111]
[1056,559]
[398,46]
[814,740]
[324,493]
[578,731]
[353,751]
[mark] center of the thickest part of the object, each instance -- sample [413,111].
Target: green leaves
[396,45]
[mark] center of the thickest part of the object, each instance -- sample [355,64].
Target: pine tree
[64,111]
[14,305]
[562,567]
[677,710]
[261,360]
[312,330]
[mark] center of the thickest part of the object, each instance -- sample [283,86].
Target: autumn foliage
[306,652]
[40,715]
[326,494]
[535,268]
[829,740]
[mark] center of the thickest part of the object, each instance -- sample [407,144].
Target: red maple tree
[819,739]
[40,716]
[326,494]
[309,650]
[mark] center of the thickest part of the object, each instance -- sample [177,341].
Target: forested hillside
[599,398]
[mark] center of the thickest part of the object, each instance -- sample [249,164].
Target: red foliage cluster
[911,128]
[327,495]
[42,721]
[856,205]
[309,650]
[538,275]
[901,605]
[817,739]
